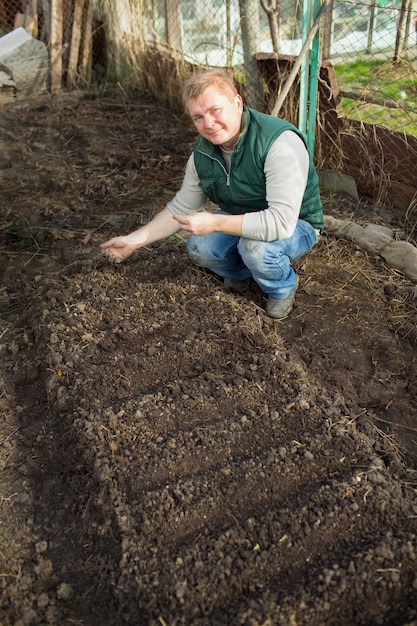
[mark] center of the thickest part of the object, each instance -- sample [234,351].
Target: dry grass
[346,269]
[403,310]
[410,222]
[393,296]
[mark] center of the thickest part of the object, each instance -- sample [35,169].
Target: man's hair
[195,85]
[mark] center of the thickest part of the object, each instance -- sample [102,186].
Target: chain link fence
[372,44]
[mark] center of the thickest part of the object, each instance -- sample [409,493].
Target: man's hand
[205,223]
[118,248]
[161,226]
[197,223]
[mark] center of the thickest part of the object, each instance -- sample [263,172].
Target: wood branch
[361,96]
[270,7]
[272,12]
[280,100]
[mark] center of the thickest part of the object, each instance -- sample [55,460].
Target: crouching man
[257,170]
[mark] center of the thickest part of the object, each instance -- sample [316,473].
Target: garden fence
[371,43]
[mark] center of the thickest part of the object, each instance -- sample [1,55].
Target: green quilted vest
[243,190]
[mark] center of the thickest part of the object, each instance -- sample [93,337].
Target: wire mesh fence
[371,43]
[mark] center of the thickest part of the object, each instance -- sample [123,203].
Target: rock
[65,592]
[26,59]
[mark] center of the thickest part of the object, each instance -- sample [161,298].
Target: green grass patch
[382,81]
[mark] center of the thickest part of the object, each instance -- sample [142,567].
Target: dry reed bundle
[164,75]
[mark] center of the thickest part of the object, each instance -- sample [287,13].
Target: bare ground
[169,454]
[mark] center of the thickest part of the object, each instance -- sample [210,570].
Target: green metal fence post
[304,70]
[313,86]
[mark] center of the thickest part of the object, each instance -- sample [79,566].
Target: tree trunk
[403,11]
[272,11]
[229,46]
[371,27]
[327,31]
[249,24]
[174,26]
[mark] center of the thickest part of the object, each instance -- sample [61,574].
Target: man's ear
[239,101]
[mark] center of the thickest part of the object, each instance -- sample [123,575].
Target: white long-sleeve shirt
[286,173]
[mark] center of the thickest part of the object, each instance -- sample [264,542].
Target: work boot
[237,285]
[280,308]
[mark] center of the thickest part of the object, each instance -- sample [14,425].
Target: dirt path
[169,454]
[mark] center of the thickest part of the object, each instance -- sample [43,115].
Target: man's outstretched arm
[163,225]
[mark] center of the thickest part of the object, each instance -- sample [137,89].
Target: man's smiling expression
[217,116]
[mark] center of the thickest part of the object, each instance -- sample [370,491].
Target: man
[257,170]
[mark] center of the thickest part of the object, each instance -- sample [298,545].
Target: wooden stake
[32,18]
[75,42]
[56,45]
[86,60]
[3,18]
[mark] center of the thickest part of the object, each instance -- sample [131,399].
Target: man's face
[217,116]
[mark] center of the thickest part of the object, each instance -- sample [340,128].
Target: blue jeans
[267,262]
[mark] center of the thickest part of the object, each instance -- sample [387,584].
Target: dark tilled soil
[169,454]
